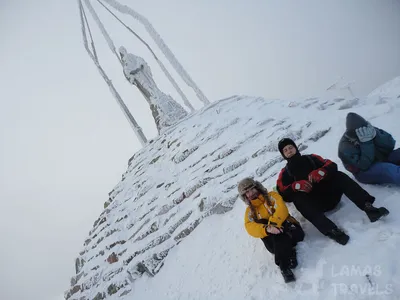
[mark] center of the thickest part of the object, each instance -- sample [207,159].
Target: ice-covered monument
[166,111]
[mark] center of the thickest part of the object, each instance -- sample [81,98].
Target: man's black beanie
[284,142]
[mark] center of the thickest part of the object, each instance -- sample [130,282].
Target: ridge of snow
[390,89]
[176,227]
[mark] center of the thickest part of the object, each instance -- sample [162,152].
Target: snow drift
[173,228]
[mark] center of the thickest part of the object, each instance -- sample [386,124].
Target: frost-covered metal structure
[93,55]
[116,6]
[161,44]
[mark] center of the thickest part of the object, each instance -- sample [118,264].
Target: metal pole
[135,126]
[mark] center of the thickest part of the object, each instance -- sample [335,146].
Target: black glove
[288,227]
[262,221]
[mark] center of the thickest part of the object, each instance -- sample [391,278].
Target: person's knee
[268,243]
[299,235]
[295,232]
[282,243]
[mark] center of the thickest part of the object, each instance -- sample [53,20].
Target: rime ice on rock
[166,111]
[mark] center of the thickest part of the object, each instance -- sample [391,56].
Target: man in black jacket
[315,186]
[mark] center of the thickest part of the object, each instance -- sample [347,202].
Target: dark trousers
[282,245]
[326,195]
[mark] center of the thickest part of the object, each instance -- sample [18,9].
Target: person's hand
[366,133]
[317,175]
[302,186]
[273,230]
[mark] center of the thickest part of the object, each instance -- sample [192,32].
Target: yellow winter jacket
[275,214]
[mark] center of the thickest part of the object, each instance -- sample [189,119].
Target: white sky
[64,142]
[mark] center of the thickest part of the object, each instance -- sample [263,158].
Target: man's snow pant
[382,172]
[282,244]
[325,196]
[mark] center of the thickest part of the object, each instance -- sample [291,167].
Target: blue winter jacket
[357,156]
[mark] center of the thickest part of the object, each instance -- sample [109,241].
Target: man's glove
[366,133]
[273,230]
[317,175]
[302,186]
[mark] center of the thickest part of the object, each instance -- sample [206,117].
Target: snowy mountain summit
[173,227]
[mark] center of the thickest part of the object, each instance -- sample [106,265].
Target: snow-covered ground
[176,228]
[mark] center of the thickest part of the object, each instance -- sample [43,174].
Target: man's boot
[338,236]
[293,259]
[373,213]
[287,274]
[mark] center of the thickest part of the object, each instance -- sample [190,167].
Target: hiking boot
[338,236]
[293,260]
[287,274]
[373,213]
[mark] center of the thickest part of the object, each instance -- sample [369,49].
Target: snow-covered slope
[389,90]
[173,228]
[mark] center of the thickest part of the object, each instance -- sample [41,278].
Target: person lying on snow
[367,152]
[268,218]
[315,186]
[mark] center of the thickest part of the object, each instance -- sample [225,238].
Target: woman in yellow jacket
[268,218]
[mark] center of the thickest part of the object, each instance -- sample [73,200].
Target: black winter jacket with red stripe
[298,168]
